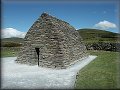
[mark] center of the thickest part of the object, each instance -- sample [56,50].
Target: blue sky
[20,15]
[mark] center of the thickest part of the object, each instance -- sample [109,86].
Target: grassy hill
[95,35]
[13,39]
[88,35]
[12,42]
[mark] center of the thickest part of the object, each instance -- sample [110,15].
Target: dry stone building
[52,43]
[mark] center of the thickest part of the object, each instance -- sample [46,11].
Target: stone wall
[103,46]
[59,43]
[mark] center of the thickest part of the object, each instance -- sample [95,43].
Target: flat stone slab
[20,76]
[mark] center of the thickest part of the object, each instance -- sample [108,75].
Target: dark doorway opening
[37,51]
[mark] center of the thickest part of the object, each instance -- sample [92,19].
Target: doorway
[37,51]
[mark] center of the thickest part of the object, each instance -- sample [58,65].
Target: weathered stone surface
[106,46]
[59,44]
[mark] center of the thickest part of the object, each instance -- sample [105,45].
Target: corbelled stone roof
[59,44]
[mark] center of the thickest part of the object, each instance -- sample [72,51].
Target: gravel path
[17,76]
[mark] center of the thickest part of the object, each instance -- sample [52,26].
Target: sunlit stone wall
[60,45]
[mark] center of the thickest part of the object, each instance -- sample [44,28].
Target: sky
[18,16]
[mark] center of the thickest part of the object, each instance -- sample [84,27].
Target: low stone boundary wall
[104,46]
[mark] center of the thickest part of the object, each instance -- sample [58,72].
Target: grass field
[102,73]
[95,35]
[8,52]
[88,35]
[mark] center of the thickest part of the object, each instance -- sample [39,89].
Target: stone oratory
[52,43]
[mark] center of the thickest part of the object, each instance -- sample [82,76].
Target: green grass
[13,39]
[102,73]
[9,53]
[95,35]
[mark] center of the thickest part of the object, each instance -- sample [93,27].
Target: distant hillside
[95,35]
[88,35]
[13,39]
[12,42]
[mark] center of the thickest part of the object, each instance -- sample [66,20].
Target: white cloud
[105,25]
[11,32]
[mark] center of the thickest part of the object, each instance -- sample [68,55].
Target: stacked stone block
[59,43]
